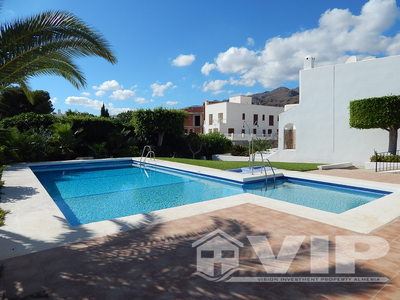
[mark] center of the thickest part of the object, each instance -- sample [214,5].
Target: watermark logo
[218,257]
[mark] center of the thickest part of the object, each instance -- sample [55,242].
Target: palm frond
[46,44]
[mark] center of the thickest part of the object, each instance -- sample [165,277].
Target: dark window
[191,130]
[271,120]
[227,254]
[231,130]
[254,130]
[243,116]
[186,131]
[263,131]
[207,254]
[269,131]
[255,119]
[263,117]
[243,131]
[197,121]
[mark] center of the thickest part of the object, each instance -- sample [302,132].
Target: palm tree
[46,44]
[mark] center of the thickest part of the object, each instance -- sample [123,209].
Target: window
[220,116]
[263,131]
[271,120]
[269,131]
[197,120]
[231,130]
[227,254]
[191,130]
[254,130]
[215,130]
[243,132]
[207,254]
[255,119]
[186,131]
[263,117]
[210,119]
[243,116]
[209,130]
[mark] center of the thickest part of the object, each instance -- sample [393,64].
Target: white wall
[232,118]
[321,119]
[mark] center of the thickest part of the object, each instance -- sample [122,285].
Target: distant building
[195,119]
[317,129]
[240,120]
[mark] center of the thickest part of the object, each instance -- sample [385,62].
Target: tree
[154,124]
[124,117]
[46,44]
[13,101]
[195,143]
[380,112]
[104,112]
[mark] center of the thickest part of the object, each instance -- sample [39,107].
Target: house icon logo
[217,255]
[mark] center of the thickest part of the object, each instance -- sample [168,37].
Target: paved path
[157,262]
[361,174]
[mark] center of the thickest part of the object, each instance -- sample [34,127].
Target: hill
[277,97]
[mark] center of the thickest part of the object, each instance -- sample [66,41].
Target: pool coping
[36,223]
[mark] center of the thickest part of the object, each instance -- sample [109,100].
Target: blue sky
[180,53]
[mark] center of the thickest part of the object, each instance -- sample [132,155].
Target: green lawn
[227,165]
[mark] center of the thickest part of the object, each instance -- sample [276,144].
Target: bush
[215,143]
[28,121]
[239,150]
[385,158]
[261,144]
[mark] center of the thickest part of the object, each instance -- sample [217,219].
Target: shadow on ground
[143,263]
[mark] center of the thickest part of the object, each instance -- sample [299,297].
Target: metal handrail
[144,149]
[265,170]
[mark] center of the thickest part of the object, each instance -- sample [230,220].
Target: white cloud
[141,100]
[338,35]
[100,93]
[207,68]
[250,41]
[94,104]
[122,94]
[54,100]
[109,85]
[158,89]
[84,101]
[171,103]
[86,94]
[183,60]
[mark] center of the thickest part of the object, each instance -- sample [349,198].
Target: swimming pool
[96,191]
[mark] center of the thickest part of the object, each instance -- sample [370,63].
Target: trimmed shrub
[239,150]
[385,158]
[215,143]
[28,121]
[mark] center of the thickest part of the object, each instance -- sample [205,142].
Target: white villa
[317,129]
[240,120]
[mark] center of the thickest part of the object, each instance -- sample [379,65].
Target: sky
[177,53]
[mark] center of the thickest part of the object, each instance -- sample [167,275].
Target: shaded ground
[361,174]
[158,262]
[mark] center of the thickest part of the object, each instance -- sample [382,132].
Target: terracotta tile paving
[361,174]
[158,262]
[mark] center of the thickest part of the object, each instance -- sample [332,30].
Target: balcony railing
[247,137]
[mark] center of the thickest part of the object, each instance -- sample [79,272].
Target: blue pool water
[101,191]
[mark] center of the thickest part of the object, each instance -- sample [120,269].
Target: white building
[240,120]
[317,129]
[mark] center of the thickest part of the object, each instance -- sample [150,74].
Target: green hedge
[28,121]
[239,150]
[385,158]
[378,112]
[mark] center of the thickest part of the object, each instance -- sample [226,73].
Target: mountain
[278,97]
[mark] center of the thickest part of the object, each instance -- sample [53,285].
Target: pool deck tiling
[158,262]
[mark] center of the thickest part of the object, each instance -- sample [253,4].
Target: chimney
[309,62]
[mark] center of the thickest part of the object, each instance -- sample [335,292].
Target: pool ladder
[265,170]
[149,155]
